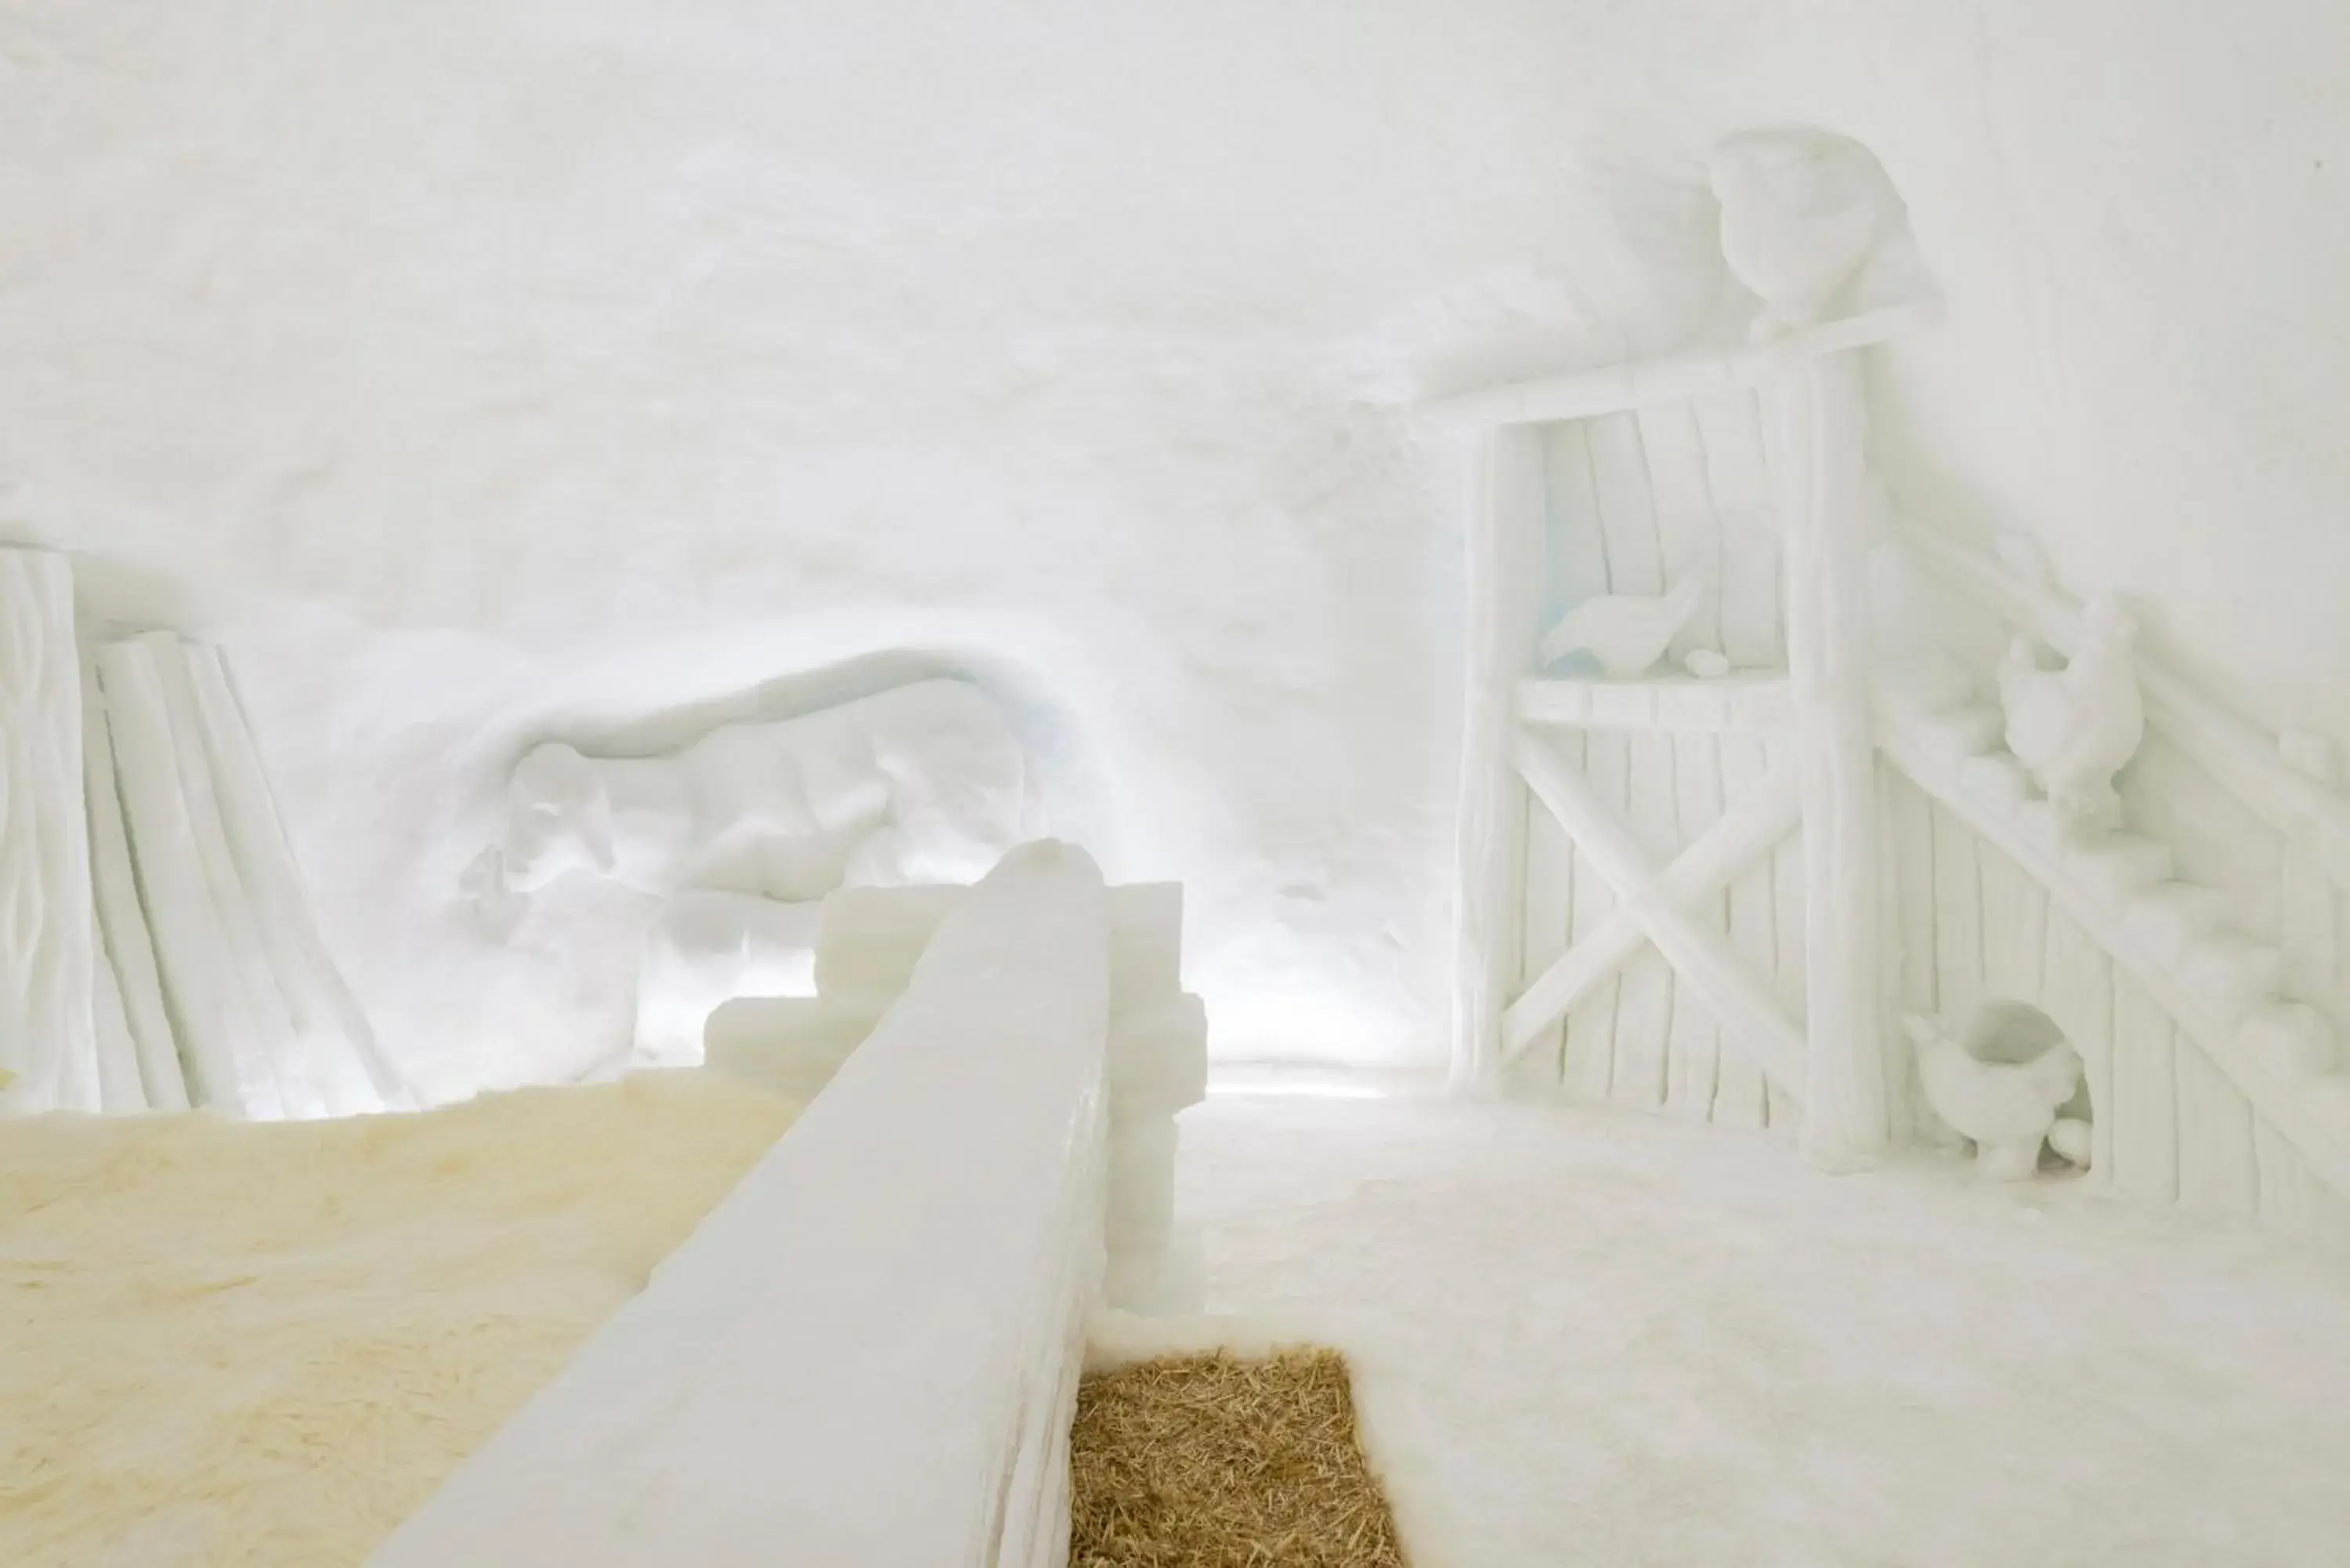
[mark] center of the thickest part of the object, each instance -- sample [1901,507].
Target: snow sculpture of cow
[742,833]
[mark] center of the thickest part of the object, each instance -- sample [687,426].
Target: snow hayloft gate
[1716,896]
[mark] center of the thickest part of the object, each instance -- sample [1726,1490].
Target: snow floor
[1585,1337]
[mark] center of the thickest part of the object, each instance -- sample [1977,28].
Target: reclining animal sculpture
[744,831]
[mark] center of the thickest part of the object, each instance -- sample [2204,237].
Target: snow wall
[482,369]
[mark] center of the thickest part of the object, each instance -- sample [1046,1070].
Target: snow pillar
[48,1042]
[1818,425]
[1504,571]
[229,1044]
[128,955]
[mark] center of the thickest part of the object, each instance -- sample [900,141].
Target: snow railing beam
[1672,378]
[2255,765]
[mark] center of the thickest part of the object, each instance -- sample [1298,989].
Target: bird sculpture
[1802,211]
[1625,633]
[2075,727]
[2006,1079]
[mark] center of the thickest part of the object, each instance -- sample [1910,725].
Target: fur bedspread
[250,1345]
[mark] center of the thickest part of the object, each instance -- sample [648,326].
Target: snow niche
[693,852]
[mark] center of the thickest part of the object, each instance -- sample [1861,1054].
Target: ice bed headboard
[868,1353]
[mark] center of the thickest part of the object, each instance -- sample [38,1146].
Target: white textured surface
[1580,1338]
[473,365]
[867,1354]
[49,1048]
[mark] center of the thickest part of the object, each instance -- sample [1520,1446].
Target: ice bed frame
[868,1353]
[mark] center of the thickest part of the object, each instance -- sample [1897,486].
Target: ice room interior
[886,783]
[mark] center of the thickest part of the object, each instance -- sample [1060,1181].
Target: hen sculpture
[2003,1083]
[1625,633]
[2074,728]
[1801,212]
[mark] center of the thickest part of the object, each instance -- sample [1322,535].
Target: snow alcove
[738,744]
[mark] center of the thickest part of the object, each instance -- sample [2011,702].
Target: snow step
[1930,685]
[1957,733]
[2230,975]
[2118,867]
[1997,779]
[2169,918]
[2289,1039]
[2041,825]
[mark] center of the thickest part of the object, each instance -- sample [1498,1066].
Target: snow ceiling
[483,370]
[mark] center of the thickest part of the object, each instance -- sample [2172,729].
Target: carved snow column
[1505,576]
[48,1042]
[1818,430]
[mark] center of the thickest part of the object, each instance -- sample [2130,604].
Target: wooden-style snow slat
[1893,1040]
[2077,994]
[2309,924]
[2293,1200]
[1740,1096]
[2007,971]
[48,1045]
[121,916]
[1626,509]
[119,1089]
[1688,533]
[222,1048]
[1909,845]
[1578,570]
[1548,926]
[293,1062]
[2218,1166]
[1609,767]
[2146,1096]
[1789,936]
[1693,1050]
[1644,1005]
[1738,478]
[1958,916]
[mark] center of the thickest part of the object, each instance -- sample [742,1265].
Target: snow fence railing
[868,1353]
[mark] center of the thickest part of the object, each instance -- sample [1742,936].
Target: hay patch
[1207,1462]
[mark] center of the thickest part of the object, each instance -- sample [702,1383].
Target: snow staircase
[2172,938]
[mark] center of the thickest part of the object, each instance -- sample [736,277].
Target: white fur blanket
[266,1343]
